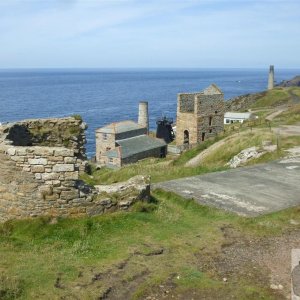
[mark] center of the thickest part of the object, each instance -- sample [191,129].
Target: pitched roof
[138,144]
[212,89]
[120,127]
[238,115]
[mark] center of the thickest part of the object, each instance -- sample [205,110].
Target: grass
[186,156]
[34,253]
[274,97]
[289,117]
[60,260]
[160,169]
[168,169]
[246,139]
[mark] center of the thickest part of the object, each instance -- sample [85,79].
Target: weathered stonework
[39,177]
[199,116]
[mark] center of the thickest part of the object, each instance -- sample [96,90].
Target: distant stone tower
[271,78]
[143,115]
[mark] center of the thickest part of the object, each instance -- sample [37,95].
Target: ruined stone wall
[185,103]
[44,158]
[210,111]
[41,181]
[44,180]
[59,132]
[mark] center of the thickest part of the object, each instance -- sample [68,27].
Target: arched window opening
[186,137]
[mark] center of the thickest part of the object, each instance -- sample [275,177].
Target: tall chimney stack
[271,78]
[143,115]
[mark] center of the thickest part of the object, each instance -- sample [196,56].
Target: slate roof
[120,127]
[136,145]
[210,90]
[237,115]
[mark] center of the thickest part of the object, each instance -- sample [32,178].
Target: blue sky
[149,33]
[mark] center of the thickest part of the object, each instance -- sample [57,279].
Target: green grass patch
[273,98]
[33,253]
[289,117]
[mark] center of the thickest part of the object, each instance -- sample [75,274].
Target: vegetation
[165,242]
[273,98]
[158,169]
[77,117]
[289,117]
[48,260]
[216,160]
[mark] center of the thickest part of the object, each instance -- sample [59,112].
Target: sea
[102,96]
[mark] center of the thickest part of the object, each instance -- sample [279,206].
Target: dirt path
[275,114]
[287,130]
[195,161]
[265,261]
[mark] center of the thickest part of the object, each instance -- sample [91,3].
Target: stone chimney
[271,78]
[143,115]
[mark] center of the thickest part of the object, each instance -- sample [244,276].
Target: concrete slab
[248,191]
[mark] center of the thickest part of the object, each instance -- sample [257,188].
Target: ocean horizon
[102,96]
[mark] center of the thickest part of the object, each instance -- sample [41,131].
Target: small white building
[233,117]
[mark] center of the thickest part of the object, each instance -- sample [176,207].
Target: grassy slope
[162,169]
[273,98]
[289,117]
[167,169]
[33,254]
[158,169]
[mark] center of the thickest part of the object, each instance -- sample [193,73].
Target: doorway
[186,137]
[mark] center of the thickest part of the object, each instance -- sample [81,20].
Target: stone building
[126,142]
[199,115]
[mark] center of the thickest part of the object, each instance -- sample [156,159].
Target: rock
[64,152]
[37,161]
[244,156]
[63,168]
[105,202]
[293,222]
[11,151]
[139,186]
[292,82]
[250,153]
[276,286]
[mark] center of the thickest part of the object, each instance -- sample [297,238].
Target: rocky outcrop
[127,193]
[243,102]
[292,82]
[250,153]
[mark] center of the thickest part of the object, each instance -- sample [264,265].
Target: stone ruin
[41,161]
